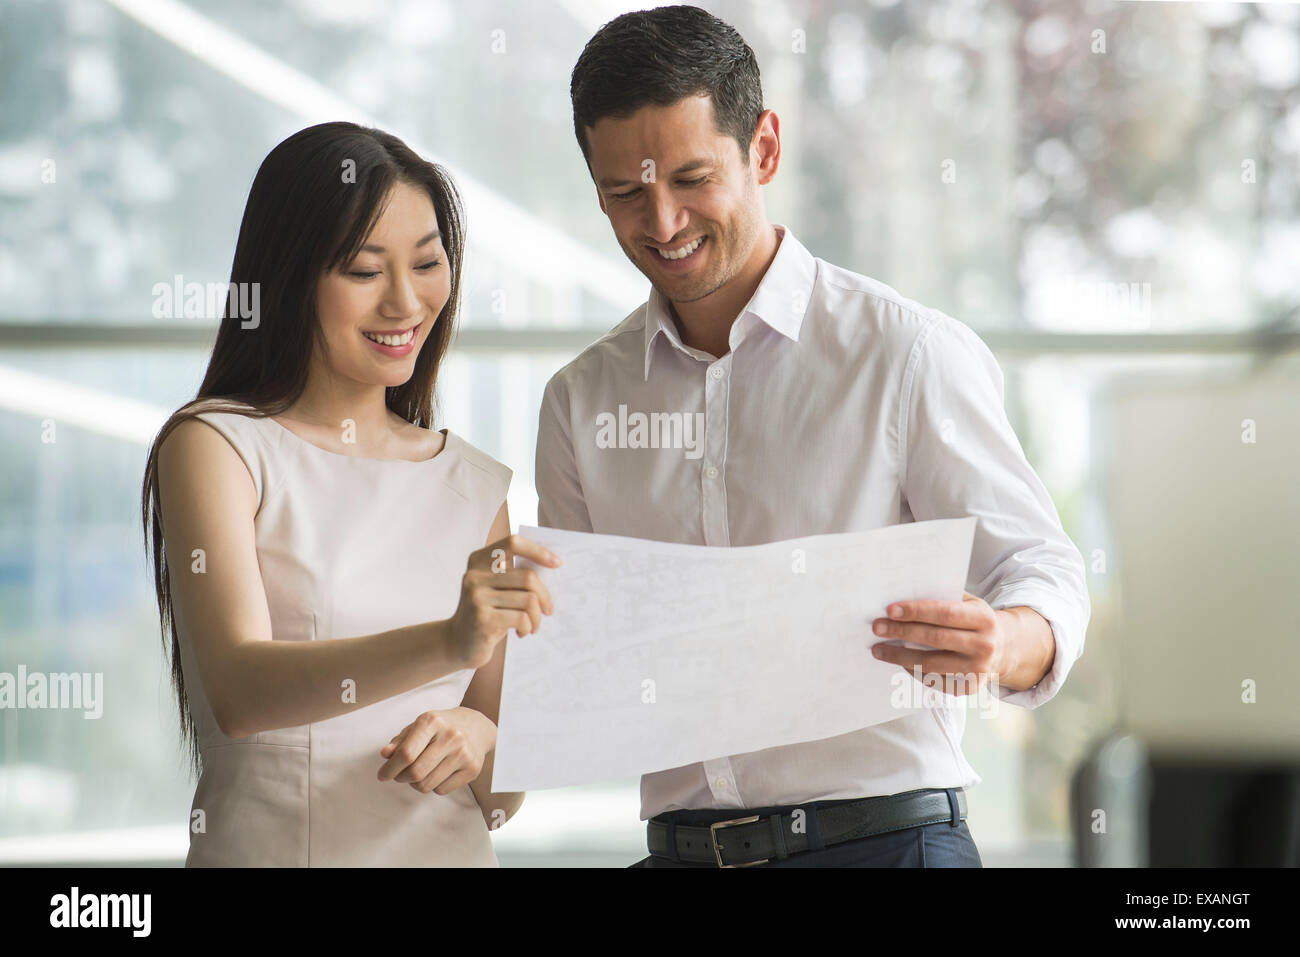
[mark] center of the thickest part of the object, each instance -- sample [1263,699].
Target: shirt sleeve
[961,457]
[560,502]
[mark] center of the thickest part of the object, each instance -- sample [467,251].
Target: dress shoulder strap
[480,479]
[493,474]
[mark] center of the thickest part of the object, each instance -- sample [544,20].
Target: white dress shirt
[841,406]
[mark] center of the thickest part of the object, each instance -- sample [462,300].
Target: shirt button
[711,472]
[716,372]
[720,784]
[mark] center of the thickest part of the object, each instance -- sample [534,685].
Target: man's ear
[765,147]
[600,198]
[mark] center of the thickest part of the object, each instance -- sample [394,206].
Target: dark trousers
[927,845]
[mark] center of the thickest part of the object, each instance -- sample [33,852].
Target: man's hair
[658,57]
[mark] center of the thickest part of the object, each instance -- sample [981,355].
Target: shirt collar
[781,299]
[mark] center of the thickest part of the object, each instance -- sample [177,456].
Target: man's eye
[694,182]
[628,195]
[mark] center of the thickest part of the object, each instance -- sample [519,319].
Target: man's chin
[681,288]
[694,291]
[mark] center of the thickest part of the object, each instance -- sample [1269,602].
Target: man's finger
[958,673]
[949,639]
[950,614]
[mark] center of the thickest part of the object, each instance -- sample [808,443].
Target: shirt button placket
[722,783]
[712,488]
[717,773]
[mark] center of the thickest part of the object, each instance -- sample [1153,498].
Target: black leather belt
[757,839]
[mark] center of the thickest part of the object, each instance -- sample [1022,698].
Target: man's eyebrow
[686,167]
[372,248]
[692,166]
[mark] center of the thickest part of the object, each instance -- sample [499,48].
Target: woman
[304,496]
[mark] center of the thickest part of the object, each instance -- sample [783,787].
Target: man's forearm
[1032,648]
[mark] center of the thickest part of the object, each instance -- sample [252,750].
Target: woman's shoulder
[246,428]
[233,418]
[202,429]
[217,408]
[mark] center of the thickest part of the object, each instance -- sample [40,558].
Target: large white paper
[660,655]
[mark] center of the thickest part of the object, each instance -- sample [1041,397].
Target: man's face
[670,183]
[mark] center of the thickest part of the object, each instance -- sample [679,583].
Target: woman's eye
[423,267]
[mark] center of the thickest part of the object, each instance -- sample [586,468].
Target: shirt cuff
[1068,628]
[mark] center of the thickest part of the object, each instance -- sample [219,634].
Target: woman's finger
[407,749]
[459,779]
[511,546]
[429,759]
[440,772]
[453,772]
[387,749]
[525,601]
[524,579]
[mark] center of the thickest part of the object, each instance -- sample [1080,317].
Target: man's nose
[665,217]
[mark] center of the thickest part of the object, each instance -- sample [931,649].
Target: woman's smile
[395,344]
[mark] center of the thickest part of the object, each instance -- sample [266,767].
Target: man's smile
[680,257]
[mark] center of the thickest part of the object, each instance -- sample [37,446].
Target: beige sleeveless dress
[347,546]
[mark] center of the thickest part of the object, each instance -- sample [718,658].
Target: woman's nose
[400,300]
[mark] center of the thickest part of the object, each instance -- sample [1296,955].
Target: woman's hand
[440,750]
[495,597]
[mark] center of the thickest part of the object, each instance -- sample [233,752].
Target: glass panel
[1084,167]
[1088,167]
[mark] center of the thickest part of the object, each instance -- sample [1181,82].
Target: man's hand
[439,751]
[973,638]
[1015,646]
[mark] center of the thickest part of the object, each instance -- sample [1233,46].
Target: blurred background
[1106,192]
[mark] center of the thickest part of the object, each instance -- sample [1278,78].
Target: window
[1090,186]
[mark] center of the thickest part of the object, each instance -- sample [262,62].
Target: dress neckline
[448,437]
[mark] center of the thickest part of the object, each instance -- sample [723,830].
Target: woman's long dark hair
[314,200]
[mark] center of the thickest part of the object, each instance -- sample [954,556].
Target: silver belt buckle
[717,846]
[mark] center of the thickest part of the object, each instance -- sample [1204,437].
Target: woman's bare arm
[253,684]
[484,696]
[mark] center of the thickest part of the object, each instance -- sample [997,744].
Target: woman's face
[377,311]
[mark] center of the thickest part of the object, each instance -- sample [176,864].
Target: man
[830,404]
